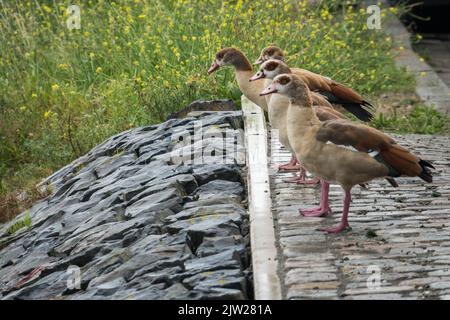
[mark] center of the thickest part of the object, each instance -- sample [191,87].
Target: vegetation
[20,224]
[132,62]
[421,119]
[13,203]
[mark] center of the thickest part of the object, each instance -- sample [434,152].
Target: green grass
[20,224]
[421,119]
[133,62]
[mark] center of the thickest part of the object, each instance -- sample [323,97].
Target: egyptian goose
[277,112]
[335,92]
[243,71]
[271,68]
[324,148]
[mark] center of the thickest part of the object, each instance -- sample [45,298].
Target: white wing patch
[373,153]
[343,146]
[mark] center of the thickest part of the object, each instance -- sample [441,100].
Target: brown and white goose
[277,111]
[335,92]
[272,67]
[277,107]
[243,71]
[323,148]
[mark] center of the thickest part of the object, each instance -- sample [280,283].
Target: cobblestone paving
[400,236]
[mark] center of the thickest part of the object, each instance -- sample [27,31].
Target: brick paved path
[410,253]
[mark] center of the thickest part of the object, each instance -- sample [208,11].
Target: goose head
[288,85]
[270,52]
[270,69]
[229,57]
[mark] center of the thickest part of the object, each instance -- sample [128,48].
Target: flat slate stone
[126,222]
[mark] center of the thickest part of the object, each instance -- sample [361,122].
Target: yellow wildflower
[47,8]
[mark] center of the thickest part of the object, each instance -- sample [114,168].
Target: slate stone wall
[144,215]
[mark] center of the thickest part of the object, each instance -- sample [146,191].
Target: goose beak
[256,76]
[259,60]
[270,89]
[213,67]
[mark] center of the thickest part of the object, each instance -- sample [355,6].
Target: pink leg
[324,207]
[291,165]
[301,179]
[344,221]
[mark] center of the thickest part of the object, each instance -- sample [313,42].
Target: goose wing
[337,93]
[380,146]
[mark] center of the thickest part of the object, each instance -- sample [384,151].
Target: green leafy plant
[421,119]
[20,224]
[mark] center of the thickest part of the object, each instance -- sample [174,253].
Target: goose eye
[271,66]
[284,81]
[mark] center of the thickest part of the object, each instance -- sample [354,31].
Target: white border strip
[262,233]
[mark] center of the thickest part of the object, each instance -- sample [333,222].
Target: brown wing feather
[313,80]
[326,113]
[337,113]
[402,160]
[316,81]
[345,93]
[320,100]
[364,138]
[344,132]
